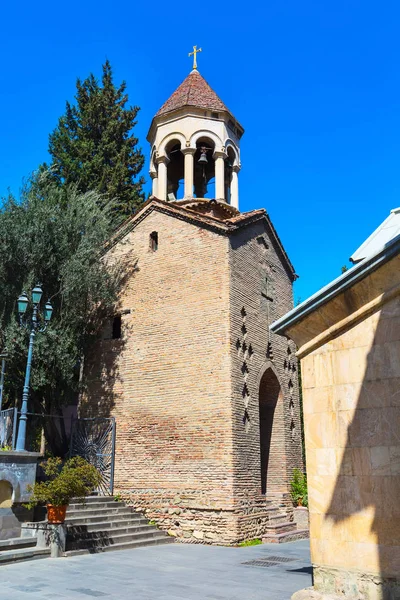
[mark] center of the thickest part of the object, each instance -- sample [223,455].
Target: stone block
[301,517]
[19,470]
[380,460]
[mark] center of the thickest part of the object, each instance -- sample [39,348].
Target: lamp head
[22,303]
[37,293]
[48,311]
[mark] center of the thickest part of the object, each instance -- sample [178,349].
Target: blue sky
[315,85]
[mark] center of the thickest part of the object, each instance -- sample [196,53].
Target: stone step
[103,517]
[148,541]
[93,498]
[281,527]
[289,536]
[94,512]
[101,525]
[92,530]
[94,505]
[16,543]
[9,556]
[100,539]
[278,518]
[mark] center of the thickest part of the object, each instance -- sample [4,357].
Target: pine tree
[93,146]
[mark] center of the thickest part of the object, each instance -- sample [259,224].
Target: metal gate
[94,440]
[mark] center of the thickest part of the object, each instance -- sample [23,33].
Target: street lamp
[37,323]
[3,357]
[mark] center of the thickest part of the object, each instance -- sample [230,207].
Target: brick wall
[169,376]
[262,358]
[183,381]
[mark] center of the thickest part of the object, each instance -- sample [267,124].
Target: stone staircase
[281,527]
[18,549]
[102,524]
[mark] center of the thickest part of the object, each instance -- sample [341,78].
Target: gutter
[337,286]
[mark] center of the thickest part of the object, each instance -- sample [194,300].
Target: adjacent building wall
[351,380]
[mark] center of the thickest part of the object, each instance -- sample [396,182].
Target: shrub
[298,488]
[75,479]
[246,543]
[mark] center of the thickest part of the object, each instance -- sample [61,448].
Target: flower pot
[299,501]
[56,514]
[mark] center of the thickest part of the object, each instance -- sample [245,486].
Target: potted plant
[76,478]
[298,488]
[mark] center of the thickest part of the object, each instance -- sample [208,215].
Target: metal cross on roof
[194,53]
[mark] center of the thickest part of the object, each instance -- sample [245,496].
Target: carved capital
[220,154]
[162,159]
[188,150]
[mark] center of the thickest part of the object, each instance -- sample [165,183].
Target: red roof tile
[193,91]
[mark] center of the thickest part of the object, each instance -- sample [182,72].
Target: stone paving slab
[171,572]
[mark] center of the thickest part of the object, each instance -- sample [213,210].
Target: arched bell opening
[272,438]
[228,171]
[175,171]
[204,169]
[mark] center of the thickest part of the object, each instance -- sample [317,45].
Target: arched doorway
[272,435]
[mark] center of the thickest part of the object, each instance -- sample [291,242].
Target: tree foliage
[93,146]
[55,236]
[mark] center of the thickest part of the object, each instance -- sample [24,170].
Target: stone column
[235,187]
[219,158]
[162,162]
[189,171]
[154,176]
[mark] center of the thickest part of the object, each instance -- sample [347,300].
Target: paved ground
[172,572]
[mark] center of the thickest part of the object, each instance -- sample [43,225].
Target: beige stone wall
[351,390]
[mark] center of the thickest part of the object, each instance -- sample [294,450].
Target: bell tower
[195,145]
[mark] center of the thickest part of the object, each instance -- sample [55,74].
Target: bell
[203,158]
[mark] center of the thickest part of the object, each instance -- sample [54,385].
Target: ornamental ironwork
[94,440]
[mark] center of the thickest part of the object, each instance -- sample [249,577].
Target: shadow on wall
[101,378]
[367,489]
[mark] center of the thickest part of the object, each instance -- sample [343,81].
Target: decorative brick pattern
[255,255]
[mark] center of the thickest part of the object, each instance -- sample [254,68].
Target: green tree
[93,145]
[55,235]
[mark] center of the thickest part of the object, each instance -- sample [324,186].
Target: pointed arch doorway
[272,435]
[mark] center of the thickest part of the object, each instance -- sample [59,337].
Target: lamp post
[35,327]
[3,357]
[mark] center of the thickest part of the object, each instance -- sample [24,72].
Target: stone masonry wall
[167,381]
[352,422]
[254,305]
[183,381]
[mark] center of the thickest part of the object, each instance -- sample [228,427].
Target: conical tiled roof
[193,91]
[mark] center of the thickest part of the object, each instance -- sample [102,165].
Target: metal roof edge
[337,286]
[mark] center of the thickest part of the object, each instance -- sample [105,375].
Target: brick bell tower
[205,397]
